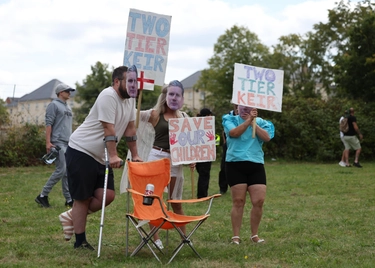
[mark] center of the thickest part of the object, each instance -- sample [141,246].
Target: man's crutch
[104,197]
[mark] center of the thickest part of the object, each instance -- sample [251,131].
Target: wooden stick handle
[192,182]
[254,127]
[138,108]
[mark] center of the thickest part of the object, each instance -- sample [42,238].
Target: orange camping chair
[158,173]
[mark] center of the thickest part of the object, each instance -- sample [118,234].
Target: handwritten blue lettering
[162,27]
[148,23]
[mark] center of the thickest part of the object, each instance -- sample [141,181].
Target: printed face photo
[174,98]
[132,84]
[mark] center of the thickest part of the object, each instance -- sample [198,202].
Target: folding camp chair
[158,173]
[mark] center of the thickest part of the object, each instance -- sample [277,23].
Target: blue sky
[45,39]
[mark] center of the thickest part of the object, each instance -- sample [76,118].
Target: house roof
[46,91]
[191,80]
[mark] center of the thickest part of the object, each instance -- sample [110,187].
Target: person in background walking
[344,161]
[59,121]
[350,139]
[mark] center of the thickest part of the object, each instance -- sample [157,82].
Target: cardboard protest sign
[192,139]
[146,46]
[258,87]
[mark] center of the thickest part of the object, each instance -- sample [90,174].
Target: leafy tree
[293,55]
[335,38]
[355,73]
[149,98]
[237,45]
[4,115]
[99,79]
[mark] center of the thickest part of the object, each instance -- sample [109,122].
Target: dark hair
[119,73]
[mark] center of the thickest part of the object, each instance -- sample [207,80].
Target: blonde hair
[161,104]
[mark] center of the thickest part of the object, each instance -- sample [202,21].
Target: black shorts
[85,174]
[245,172]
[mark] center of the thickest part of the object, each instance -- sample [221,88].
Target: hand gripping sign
[257,87]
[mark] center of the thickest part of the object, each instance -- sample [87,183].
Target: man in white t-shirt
[111,117]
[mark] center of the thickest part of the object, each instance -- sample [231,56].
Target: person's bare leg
[357,153]
[343,157]
[238,193]
[79,215]
[257,195]
[93,204]
[347,157]
[97,199]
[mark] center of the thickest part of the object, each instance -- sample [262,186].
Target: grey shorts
[351,142]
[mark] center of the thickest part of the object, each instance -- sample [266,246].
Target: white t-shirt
[341,134]
[109,108]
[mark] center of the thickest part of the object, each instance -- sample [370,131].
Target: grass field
[315,215]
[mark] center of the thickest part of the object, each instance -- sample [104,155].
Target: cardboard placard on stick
[146,47]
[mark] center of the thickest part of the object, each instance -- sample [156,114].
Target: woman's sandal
[236,242]
[258,240]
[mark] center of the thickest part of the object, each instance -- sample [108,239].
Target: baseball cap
[62,87]
[205,112]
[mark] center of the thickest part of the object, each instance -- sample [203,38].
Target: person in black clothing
[203,168]
[350,139]
[223,184]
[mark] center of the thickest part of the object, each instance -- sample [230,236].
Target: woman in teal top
[245,166]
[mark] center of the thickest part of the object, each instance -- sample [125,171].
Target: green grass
[315,215]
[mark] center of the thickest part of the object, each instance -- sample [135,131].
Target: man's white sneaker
[343,164]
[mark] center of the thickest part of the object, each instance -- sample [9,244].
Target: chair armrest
[208,198]
[194,200]
[134,191]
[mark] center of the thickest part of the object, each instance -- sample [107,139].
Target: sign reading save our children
[258,87]
[192,139]
[146,46]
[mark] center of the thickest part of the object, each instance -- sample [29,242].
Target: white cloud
[45,39]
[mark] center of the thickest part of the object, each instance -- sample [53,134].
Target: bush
[308,129]
[22,146]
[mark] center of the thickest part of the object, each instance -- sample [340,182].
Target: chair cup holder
[147,201]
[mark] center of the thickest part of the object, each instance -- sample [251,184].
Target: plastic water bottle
[51,156]
[147,201]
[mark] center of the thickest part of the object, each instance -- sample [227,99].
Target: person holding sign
[169,102]
[111,117]
[245,166]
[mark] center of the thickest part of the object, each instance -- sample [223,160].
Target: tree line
[326,71]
